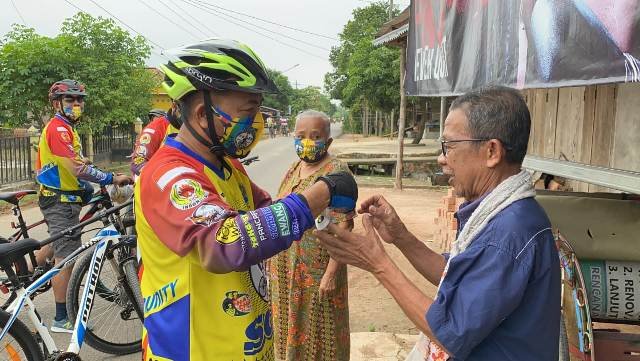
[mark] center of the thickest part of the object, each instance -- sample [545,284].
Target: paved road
[276,155]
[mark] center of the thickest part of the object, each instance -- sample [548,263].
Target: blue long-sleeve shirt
[500,298]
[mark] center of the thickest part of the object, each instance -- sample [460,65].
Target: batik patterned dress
[306,327]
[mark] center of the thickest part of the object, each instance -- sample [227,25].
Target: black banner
[457,45]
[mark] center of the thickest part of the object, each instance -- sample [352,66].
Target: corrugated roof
[391,36]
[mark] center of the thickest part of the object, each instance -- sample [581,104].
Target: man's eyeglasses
[71,99]
[444,143]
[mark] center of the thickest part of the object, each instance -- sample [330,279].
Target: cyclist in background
[161,124]
[64,175]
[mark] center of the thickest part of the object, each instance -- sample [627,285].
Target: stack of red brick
[446,224]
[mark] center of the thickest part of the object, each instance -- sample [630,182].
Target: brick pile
[446,224]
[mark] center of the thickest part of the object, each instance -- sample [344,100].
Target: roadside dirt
[371,307]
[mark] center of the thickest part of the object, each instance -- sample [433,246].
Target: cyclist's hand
[87,161]
[344,191]
[122,179]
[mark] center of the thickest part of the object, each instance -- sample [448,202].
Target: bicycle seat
[12,251]
[15,197]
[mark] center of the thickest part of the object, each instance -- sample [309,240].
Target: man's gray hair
[498,112]
[310,113]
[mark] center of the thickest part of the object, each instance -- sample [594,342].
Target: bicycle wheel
[130,270]
[19,343]
[114,326]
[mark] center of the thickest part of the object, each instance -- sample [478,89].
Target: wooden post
[443,111]
[393,121]
[401,121]
[137,126]
[89,151]
[34,141]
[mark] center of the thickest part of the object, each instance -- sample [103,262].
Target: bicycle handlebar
[249,160]
[99,215]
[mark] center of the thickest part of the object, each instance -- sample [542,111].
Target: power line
[256,32]
[123,23]
[192,18]
[18,11]
[169,19]
[273,23]
[202,3]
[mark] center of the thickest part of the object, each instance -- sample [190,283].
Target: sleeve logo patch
[145,138]
[282,219]
[187,193]
[228,233]
[207,214]
[236,303]
[141,151]
[65,137]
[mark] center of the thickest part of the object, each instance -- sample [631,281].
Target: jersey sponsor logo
[187,193]
[259,280]
[270,220]
[258,333]
[228,233]
[145,138]
[236,303]
[138,160]
[65,136]
[249,229]
[295,225]
[258,225]
[141,151]
[160,297]
[282,219]
[207,214]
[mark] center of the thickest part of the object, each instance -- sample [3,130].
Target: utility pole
[390,9]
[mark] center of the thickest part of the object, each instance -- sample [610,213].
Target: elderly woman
[308,288]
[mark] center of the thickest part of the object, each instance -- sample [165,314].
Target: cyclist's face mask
[240,135]
[72,107]
[309,150]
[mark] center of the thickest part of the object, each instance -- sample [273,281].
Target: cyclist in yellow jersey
[64,175]
[204,228]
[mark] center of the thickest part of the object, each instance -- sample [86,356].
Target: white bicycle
[17,342]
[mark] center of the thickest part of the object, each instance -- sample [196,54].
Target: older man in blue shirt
[499,290]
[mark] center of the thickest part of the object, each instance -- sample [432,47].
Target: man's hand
[384,218]
[363,251]
[87,161]
[344,190]
[327,285]
[121,179]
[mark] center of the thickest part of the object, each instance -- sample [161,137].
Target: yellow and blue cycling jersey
[60,164]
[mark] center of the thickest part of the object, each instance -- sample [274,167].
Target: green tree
[279,101]
[363,74]
[311,98]
[94,51]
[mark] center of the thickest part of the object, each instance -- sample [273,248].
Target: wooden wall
[597,125]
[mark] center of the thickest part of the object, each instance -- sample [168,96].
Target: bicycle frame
[102,240]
